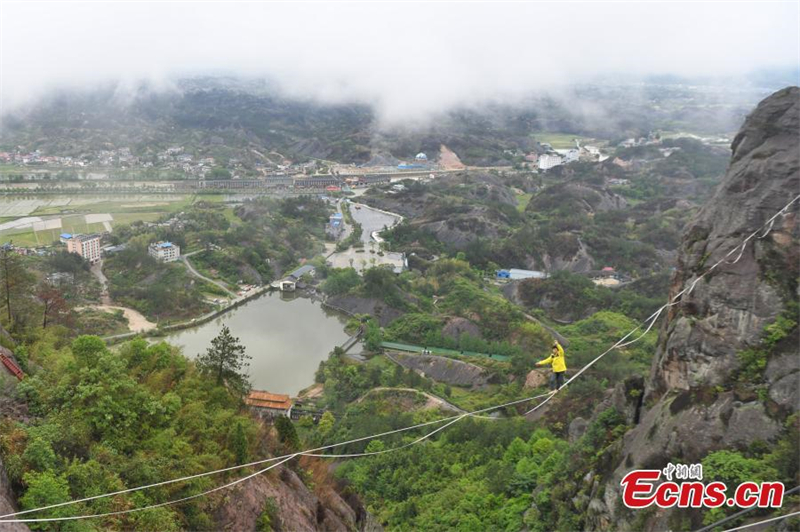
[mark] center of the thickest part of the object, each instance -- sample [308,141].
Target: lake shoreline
[287,338]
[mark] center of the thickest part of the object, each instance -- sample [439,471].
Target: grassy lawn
[380,361]
[230,216]
[561,141]
[522,201]
[473,399]
[215,198]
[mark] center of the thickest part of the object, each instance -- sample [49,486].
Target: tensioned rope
[280,459]
[740,513]
[770,520]
[676,298]
[620,343]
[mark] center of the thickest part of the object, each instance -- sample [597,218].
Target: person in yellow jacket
[556,360]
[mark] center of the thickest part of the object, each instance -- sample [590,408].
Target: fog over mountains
[408,62]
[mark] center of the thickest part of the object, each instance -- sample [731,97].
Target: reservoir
[287,339]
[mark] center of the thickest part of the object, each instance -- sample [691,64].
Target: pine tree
[15,282]
[240,444]
[287,433]
[227,360]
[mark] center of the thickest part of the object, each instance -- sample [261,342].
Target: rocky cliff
[704,392]
[294,505]
[7,503]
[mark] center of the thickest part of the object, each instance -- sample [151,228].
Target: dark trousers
[557,380]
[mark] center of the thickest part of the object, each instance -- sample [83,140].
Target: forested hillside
[714,383]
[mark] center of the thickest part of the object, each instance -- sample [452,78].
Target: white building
[87,246]
[164,251]
[548,161]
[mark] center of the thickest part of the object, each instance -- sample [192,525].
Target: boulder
[577,428]
[536,378]
[786,391]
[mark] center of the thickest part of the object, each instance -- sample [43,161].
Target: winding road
[137,322]
[433,400]
[185,260]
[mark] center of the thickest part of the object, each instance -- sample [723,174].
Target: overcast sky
[402,57]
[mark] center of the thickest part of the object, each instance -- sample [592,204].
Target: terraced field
[39,221]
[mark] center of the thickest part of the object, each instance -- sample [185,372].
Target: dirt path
[97,271]
[433,400]
[561,339]
[136,320]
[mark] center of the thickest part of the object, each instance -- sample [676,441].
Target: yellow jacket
[556,360]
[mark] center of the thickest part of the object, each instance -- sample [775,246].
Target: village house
[269,405]
[164,251]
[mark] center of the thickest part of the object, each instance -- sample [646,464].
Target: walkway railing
[441,351]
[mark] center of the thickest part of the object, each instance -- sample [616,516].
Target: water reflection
[286,335]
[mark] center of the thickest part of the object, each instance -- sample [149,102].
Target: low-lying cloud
[408,60]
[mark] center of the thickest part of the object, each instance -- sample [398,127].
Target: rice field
[39,221]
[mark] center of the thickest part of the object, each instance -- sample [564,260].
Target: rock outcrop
[700,399]
[295,506]
[443,369]
[456,327]
[364,305]
[6,502]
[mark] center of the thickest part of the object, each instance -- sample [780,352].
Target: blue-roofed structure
[303,270]
[515,274]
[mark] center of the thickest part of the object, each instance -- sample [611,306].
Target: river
[287,339]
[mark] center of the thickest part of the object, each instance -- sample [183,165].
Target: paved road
[199,275]
[347,227]
[371,220]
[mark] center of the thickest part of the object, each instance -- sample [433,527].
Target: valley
[291,309]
